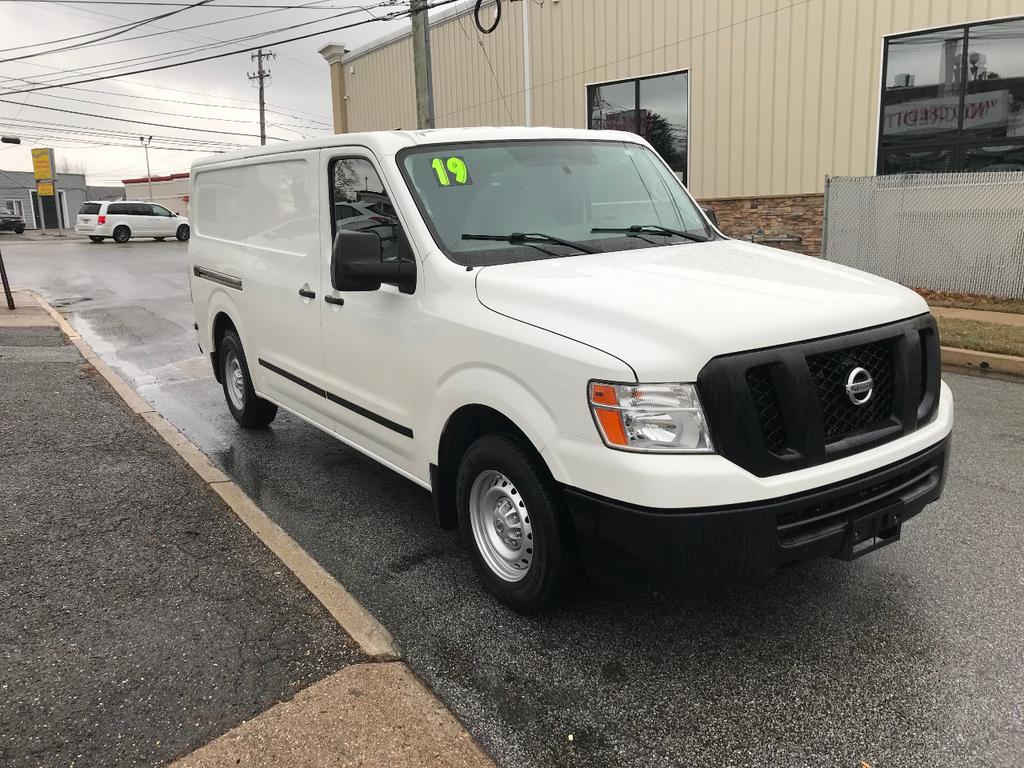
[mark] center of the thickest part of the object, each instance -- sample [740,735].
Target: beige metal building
[753,102]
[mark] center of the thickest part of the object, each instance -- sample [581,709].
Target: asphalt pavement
[909,657]
[140,617]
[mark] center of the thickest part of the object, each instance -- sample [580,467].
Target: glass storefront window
[953,99]
[995,81]
[922,91]
[654,107]
[613,106]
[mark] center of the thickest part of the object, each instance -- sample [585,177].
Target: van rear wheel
[512,525]
[248,409]
[122,234]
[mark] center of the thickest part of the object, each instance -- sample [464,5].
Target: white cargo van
[542,327]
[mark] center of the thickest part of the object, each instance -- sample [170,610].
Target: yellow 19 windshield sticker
[451,171]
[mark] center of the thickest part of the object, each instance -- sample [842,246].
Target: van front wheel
[511,523]
[249,410]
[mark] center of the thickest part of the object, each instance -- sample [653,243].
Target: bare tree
[66,165]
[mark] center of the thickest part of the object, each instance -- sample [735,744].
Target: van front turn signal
[654,418]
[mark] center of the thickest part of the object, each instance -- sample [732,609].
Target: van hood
[666,311]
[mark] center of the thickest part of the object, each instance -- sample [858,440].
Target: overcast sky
[300,87]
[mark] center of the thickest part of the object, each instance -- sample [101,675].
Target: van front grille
[785,408]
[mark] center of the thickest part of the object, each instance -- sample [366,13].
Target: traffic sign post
[3,269]
[7,285]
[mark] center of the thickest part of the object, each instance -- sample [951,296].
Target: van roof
[387,143]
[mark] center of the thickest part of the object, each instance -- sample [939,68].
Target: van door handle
[306,293]
[334,300]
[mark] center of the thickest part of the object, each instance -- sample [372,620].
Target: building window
[953,100]
[656,108]
[16,207]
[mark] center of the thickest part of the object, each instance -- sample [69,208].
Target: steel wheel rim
[501,525]
[234,380]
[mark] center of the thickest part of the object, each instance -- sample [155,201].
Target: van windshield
[492,203]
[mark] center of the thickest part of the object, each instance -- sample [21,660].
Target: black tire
[252,411]
[122,234]
[553,567]
[96,238]
[19,231]
[159,239]
[183,233]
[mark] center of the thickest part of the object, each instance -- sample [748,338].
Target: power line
[164,30]
[93,12]
[29,124]
[315,124]
[294,113]
[213,57]
[494,75]
[127,28]
[160,3]
[155,57]
[645,52]
[136,122]
[53,130]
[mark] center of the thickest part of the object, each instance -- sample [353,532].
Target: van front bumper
[624,543]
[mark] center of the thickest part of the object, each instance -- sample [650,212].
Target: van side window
[360,203]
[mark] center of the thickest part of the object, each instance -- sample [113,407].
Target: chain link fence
[961,232]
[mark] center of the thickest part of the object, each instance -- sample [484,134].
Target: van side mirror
[357,264]
[710,213]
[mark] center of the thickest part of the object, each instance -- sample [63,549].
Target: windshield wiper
[527,238]
[654,229]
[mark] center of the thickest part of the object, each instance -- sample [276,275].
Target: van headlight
[655,418]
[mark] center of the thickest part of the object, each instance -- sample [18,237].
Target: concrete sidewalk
[141,620]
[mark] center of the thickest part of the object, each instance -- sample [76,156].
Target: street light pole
[144,140]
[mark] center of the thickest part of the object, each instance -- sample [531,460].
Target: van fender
[220,302]
[496,388]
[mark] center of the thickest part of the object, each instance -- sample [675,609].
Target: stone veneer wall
[782,216]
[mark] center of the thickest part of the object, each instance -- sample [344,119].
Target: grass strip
[983,337]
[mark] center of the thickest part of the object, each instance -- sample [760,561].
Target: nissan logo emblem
[859,386]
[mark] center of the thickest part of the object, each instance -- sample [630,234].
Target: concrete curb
[983,361]
[373,639]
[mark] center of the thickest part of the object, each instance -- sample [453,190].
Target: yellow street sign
[42,164]
[45,188]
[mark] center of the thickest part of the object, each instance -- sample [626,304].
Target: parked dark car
[11,220]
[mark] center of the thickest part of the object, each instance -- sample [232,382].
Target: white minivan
[543,328]
[122,220]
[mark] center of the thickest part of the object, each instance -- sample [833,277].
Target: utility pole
[421,64]
[145,140]
[262,76]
